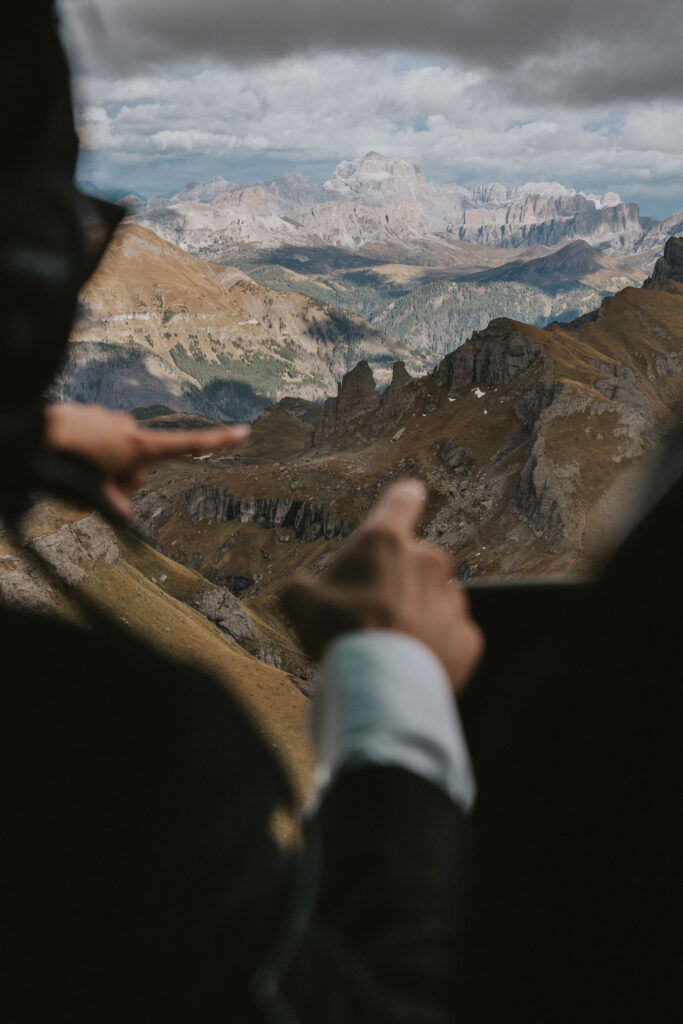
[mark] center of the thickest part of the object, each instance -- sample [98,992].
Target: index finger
[400,507]
[171,444]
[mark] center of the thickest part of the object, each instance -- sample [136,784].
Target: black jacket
[141,881]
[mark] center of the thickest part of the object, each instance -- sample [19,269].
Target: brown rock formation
[668,267]
[491,357]
[356,396]
[399,379]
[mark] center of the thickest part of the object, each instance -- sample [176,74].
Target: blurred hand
[384,578]
[121,449]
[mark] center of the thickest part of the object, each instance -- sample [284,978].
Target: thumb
[400,507]
[315,612]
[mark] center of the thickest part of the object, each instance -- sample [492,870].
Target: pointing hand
[121,449]
[384,578]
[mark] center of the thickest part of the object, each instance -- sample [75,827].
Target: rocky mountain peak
[668,267]
[400,376]
[577,257]
[492,357]
[358,384]
[292,191]
[602,201]
[378,201]
[205,192]
[495,194]
[377,176]
[356,396]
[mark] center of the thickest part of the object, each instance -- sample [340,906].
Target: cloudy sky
[587,93]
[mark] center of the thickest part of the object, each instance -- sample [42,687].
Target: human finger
[465,644]
[316,612]
[158,444]
[118,501]
[435,563]
[400,507]
[131,482]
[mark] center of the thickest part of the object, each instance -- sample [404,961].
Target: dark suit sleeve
[379,892]
[383,943]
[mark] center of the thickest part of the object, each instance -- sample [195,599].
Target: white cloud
[95,129]
[247,107]
[322,108]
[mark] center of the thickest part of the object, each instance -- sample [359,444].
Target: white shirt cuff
[384,698]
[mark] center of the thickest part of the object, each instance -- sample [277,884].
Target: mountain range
[157,325]
[219,300]
[385,208]
[426,263]
[533,443]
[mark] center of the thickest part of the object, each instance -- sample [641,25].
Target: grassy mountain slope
[150,594]
[158,326]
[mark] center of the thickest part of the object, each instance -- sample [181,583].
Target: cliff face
[669,267]
[491,358]
[307,519]
[552,220]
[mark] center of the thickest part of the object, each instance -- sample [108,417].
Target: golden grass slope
[207,322]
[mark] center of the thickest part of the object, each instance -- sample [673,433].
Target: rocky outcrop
[224,609]
[536,396]
[356,396]
[491,358]
[548,494]
[23,585]
[86,540]
[669,267]
[400,378]
[544,498]
[71,550]
[545,491]
[309,520]
[309,412]
[456,457]
[220,606]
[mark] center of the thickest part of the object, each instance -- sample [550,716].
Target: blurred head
[51,236]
